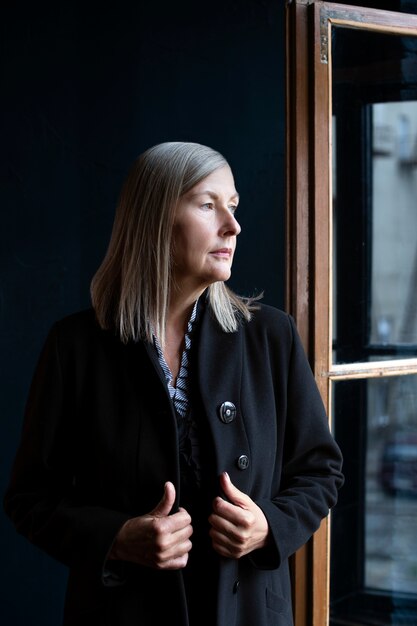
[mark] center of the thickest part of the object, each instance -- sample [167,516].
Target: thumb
[232,493]
[166,503]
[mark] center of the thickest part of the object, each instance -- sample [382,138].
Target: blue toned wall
[85,89]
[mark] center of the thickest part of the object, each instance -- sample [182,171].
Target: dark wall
[85,89]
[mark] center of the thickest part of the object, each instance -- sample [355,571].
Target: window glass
[374,547]
[374,318]
[391,484]
[393,314]
[374,182]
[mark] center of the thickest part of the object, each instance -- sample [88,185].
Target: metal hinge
[324,39]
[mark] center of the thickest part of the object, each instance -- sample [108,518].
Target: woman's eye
[208,205]
[233,208]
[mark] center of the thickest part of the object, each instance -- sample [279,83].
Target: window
[352,287]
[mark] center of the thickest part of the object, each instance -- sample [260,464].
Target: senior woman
[175,450]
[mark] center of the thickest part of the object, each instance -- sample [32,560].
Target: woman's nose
[231,226]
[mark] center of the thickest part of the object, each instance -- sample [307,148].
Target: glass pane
[393,312]
[374,547]
[375,195]
[391,484]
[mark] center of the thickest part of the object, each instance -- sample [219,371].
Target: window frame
[309,237]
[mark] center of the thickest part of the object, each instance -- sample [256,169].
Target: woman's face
[204,234]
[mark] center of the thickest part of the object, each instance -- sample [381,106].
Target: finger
[172,552]
[225,546]
[174,563]
[231,492]
[233,513]
[164,506]
[221,527]
[231,531]
[172,547]
[171,524]
[174,528]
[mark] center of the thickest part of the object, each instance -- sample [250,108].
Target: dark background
[85,87]
[84,90]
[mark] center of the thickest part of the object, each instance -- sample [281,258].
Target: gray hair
[130,290]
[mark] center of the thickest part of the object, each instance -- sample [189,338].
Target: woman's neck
[179,312]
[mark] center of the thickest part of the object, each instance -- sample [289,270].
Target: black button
[227,412]
[243,462]
[236,586]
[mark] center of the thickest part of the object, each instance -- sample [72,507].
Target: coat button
[243,462]
[227,412]
[236,586]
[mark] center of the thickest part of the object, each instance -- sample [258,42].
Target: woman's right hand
[157,539]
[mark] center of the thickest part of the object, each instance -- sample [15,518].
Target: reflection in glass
[391,484]
[373,532]
[374,183]
[394,223]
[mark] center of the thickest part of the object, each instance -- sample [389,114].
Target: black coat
[100,441]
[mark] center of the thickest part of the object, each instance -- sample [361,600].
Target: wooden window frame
[309,237]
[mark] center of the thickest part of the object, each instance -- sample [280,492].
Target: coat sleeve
[41,498]
[311,467]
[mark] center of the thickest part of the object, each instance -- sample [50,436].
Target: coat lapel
[220,367]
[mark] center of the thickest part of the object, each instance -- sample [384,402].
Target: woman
[175,451]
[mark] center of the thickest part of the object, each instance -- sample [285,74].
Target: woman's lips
[223,252]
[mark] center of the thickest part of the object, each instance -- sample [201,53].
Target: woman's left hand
[238,525]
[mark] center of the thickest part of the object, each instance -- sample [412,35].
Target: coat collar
[219,359]
[220,371]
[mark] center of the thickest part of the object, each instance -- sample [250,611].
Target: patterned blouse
[181,399]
